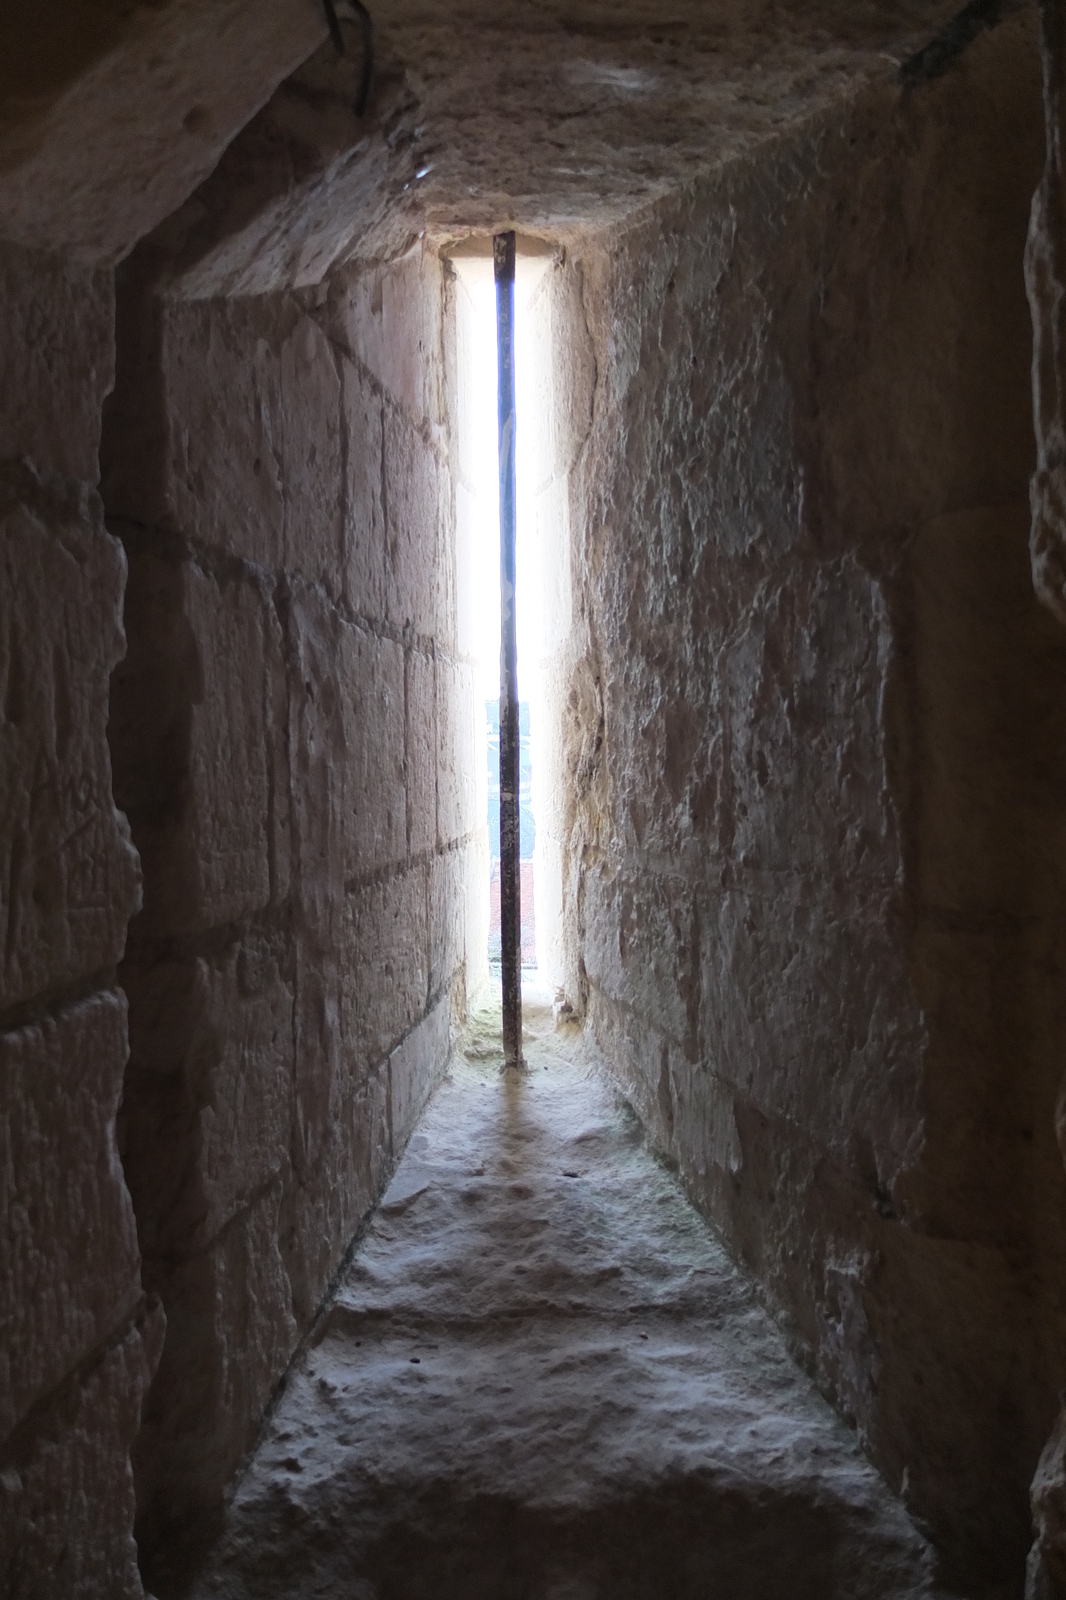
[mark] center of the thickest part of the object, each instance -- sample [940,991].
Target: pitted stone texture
[414,1068]
[69,880]
[66,1489]
[330,1202]
[364,517]
[211,1054]
[456,783]
[197,742]
[186,76]
[68,1244]
[230,1332]
[234,440]
[807,833]
[415,504]
[390,317]
[385,970]
[57,360]
[541,1375]
[471,122]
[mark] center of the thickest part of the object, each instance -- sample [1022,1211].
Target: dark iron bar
[503,260]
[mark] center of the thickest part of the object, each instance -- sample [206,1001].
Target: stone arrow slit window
[478,536]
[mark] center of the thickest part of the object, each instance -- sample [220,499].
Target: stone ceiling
[546,114]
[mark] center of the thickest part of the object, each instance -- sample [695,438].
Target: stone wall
[290,731]
[818,859]
[78,1338]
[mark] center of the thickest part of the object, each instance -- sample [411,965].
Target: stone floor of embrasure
[542,1379]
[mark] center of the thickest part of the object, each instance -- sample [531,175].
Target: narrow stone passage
[542,1377]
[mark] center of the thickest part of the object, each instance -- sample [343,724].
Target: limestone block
[239,646]
[456,752]
[207,1110]
[199,747]
[82,178]
[642,948]
[317,735]
[665,751]
[230,1333]
[808,1006]
[643,1059]
[373,709]
[225,425]
[57,360]
[802,692]
[413,475]
[312,466]
[421,765]
[385,978]
[68,1241]
[448,880]
[69,879]
[390,317]
[319,1061]
[415,1066]
[66,1487]
[364,513]
[320,1216]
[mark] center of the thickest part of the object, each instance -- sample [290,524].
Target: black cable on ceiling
[366,22]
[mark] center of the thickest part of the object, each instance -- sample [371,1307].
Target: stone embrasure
[541,1376]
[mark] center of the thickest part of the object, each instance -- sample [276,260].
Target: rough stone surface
[299,964]
[541,1375]
[822,829]
[66,1489]
[114,113]
[68,874]
[69,1245]
[57,359]
[803,846]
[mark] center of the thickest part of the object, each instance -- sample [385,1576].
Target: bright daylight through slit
[478,515]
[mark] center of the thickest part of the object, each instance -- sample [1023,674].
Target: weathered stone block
[68,1241]
[316,726]
[225,428]
[199,744]
[312,467]
[69,879]
[413,487]
[364,558]
[230,1333]
[66,1486]
[207,1110]
[390,317]
[320,1216]
[57,360]
[456,751]
[384,968]
[447,884]
[808,1006]
[642,949]
[415,1066]
[375,796]
[421,767]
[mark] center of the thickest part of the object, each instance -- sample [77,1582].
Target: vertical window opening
[478,519]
